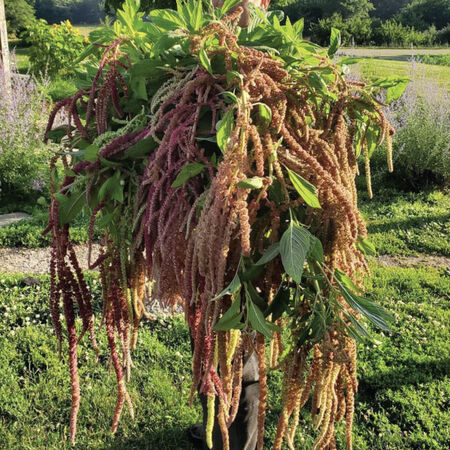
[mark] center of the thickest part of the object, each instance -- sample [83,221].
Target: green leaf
[206,63]
[294,247]
[318,83]
[112,188]
[230,289]
[306,190]
[224,128]
[166,19]
[271,252]
[189,171]
[316,250]
[280,303]
[366,247]
[91,153]
[232,75]
[255,297]
[70,208]
[265,113]
[231,318]
[227,5]
[251,183]
[395,92]
[230,95]
[375,313]
[335,42]
[257,320]
[142,148]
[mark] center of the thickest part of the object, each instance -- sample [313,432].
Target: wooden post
[5,48]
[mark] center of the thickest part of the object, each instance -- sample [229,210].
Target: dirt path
[25,260]
[36,261]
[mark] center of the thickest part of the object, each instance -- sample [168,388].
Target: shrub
[23,156]
[422,142]
[392,32]
[54,48]
[356,29]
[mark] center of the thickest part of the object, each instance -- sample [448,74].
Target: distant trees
[77,11]
[19,15]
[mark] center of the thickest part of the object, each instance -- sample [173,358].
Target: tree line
[377,22]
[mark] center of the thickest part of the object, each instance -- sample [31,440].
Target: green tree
[19,15]
[146,5]
[386,9]
[421,14]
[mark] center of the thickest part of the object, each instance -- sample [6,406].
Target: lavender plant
[422,143]
[23,157]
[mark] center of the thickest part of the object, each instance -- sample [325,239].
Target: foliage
[439,60]
[112,6]
[19,16]
[422,142]
[23,156]
[404,378]
[228,138]
[387,9]
[421,14]
[395,33]
[355,30]
[76,11]
[54,48]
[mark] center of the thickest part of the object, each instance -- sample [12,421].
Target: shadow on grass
[173,438]
[408,372]
[410,222]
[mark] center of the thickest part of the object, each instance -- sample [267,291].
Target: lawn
[402,402]
[371,68]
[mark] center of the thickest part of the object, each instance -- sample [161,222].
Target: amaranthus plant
[220,165]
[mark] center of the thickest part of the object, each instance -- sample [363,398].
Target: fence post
[5,49]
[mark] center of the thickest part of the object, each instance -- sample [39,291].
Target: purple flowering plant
[23,156]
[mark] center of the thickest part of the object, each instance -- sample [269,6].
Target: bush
[422,143]
[355,29]
[54,48]
[437,60]
[19,16]
[392,32]
[23,156]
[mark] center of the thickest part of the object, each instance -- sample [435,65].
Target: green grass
[401,404]
[408,223]
[371,68]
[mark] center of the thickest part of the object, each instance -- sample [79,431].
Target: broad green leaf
[251,273]
[254,296]
[251,183]
[298,27]
[112,188]
[375,313]
[91,153]
[335,42]
[366,247]
[265,113]
[71,207]
[316,250]
[206,63]
[227,5]
[306,190]
[230,289]
[395,92]
[317,82]
[231,318]
[257,320]
[271,252]
[166,19]
[189,171]
[280,302]
[294,247]
[143,147]
[224,129]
